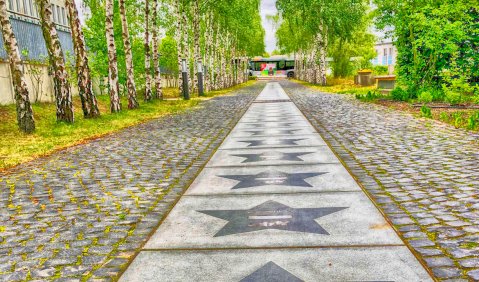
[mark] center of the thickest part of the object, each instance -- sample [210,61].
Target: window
[34,10]
[54,12]
[26,7]
[18,8]
[385,51]
[31,8]
[64,18]
[60,15]
[281,65]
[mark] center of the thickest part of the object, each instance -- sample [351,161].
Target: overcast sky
[268,7]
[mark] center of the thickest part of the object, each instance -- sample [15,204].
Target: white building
[25,24]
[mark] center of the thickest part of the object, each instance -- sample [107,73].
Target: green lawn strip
[339,86]
[459,118]
[50,135]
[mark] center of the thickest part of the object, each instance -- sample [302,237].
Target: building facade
[26,26]
[386,54]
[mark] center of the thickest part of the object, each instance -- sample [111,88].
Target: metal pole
[184,75]
[200,79]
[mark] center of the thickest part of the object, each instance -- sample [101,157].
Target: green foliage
[458,119]
[452,97]
[344,23]
[399,94]
[380,70]
[473,121]
[456,84]
[369,96]
[96,41]
[425,97]
[426,112]
[429,34]
[169,54]
[354,53]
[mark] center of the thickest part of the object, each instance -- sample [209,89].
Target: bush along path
[83,212]
[422,174]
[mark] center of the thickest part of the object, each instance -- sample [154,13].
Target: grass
[50,135]
[459,118]
[340,86]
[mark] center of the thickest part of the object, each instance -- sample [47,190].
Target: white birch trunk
[25,119]
[130,78]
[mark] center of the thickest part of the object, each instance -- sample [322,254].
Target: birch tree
[25,120]
[156,61]
[115,105]
[63,96]
[196,40]
[130,77]
[85,87]
[148,94]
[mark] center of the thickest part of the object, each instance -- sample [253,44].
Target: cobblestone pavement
[424,175]
[274,204]
[83,212]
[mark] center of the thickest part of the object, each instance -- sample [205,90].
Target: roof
[273,58]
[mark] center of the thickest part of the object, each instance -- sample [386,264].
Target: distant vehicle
[281,66]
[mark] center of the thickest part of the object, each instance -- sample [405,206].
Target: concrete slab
[265,109]
[272,91]
[274,125]
[273,179]
[330,264]
[282,156]
[275,220]
[255,142]
[273,119]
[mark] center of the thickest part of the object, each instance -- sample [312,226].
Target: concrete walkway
[275,204]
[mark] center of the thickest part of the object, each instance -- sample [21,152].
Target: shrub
[426,111]
[380,70]
[437,94]
[473,121]
[425,97]
[399,94]
[452,97]
[371,95]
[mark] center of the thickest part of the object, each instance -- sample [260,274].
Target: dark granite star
[272,215]
[270,156]
[273,142]
[272,177]
[272,132]
[271,272]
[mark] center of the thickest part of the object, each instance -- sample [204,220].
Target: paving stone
[470,263]
[385,146]
[143,169]
[446,272]
[474,275]
[439,261]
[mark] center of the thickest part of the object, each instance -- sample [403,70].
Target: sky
[268,7]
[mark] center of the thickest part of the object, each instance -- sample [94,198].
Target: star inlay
[272,132]
[271,272]
[272,215]
[279,124]
[272,156]
[272,177]
[256,143]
